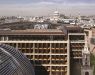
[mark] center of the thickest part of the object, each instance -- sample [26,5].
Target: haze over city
[46,7]
[47,37]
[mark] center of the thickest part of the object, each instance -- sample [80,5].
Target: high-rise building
[51,51]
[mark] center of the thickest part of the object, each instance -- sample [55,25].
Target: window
[86,73]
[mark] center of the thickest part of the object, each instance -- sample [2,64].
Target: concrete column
[2,38]
[68,56]
[51,37]
[50,58]
[33,51]
[34,55]
[16,45]
[6,38]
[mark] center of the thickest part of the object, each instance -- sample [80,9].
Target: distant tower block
[86,68]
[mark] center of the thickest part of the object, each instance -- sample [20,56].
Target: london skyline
[46,7]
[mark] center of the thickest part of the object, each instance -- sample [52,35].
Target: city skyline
[46,7]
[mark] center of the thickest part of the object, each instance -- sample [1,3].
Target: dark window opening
[86,73]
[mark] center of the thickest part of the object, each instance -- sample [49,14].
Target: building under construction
[51,51]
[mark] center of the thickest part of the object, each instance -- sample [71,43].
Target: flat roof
[32,32]
[73,27]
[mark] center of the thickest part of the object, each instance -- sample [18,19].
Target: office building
[51,51]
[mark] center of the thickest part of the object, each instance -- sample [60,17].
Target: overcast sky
[46,7]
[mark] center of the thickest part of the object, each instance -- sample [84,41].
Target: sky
[46,7]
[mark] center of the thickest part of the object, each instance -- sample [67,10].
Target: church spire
[86,50]
[86,68]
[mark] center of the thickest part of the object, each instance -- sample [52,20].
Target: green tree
[92,58]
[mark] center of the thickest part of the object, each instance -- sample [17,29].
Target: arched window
[86,73]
